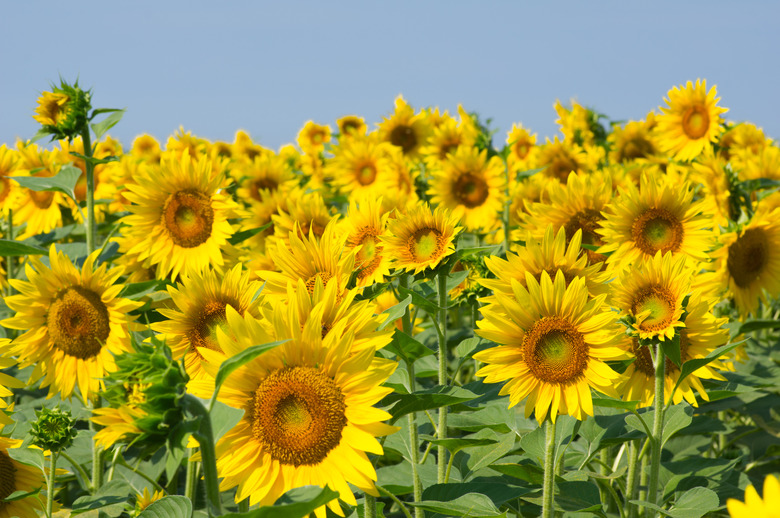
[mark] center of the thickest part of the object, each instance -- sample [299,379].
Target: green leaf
[9,248]
[615,403]
[223,418]
[304,501]
[755,325]
[531,473]
[470,505]
[427,399]
[20,495]
[234,362]
[465,253]
[175,506]
[136,290]
[671,349]
[100,128]
[110,499]
[697,363]
[395,312]
[406,347]
[470,346]
[487,455]
[676,418]
[419,301]
[240,237]
[530,172]
[454,445]
[29,456]
[64,181]
[497,490]
[578,496]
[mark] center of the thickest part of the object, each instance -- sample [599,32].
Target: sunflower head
[54,429]
[313,137]
[63,112]
[351,126]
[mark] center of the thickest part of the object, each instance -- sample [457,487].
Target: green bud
[53,430]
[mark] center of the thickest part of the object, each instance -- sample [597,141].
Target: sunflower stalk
[9,260]
[205,437]
[659,361]
[50,484]
[548,490]
[90,169]
[442,428]
[370,507]
[191,480]
[631,478]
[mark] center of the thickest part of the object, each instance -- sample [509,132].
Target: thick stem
[50,485]
[441,450]
[631,481]
[97,453]
[370,507]
[90,170]
[548,490]
[191,479]
[658,424]
[205,437]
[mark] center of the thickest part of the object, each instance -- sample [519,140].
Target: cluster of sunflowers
[587,265]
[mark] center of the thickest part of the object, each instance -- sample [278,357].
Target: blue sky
[267,68]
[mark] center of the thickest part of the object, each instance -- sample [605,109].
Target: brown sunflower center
[260,184]
[426,244]
[78,322]
[658,303]
[188,217]
[636,147]
[298,415]
[555,351]
[42,199]
[7,477]
[657,229]
[5,187]
[696,121]
[324,277]
[349,126]
[521,148]
[403,136]
[561,166]
[366,174]
[748,256]
[370,254]
[470,190]
[210,317]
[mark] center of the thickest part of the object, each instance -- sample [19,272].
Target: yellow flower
[267,172]
[523,150]
[52,108]
[15,476]
[555,340]
[360,168]
[351,126]
[309,414]
[9,190]
[147,148]
[365,222]
[313,137]
[118,424]
[421,238]
[302,212]
[404,129]
[447,137]
[691,120]
[561,159]
[754,506]
[6,382]
[74,323]
[634,141]
[143,500]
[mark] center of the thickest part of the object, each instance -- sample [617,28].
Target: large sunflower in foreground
[309,415]
[702,334]
[471,187]
[179,221]
[200,301]
[421,238]
[691,120]
[754,506]
[15,476]
[660,216]
[74,323]
[555,341]
[747,267]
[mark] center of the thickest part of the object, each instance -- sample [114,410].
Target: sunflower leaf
[395,312]
[420,301]
[755,325]
[472,505]
[64,181]
[409,349]
[21,495]
[240,237]
[427,399]
[671,349]
[692,365]
[100,128]
[303,502]
[174,506]
[9,248]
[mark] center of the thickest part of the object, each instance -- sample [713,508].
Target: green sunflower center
[470,190]
[657,229]
[426,244]
[748,256]
[298,415]
[7,477]
[696,121]
[658,304]
[521,148]
[188,217]
[78,322]
[210,317]
[403,136]
[555,351]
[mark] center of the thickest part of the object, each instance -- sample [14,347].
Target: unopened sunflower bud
[63,112]
[53,430]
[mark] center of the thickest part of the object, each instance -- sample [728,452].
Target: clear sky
[215,67]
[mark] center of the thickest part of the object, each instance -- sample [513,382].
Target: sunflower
[360,168]
[690,122]
[147,148]
[309,416]
[179,216]
[702,333]
[266,172]
[9,190]
[304,212]
[523,150]
[351,126]
[741,142]
[578,123]
[421,238]
[550,254]
[144,500]
[652,293]
[74,323]
[764,164]
[747,267]
[405,130]
[634,141]
[6,382]
[447,137]
[660,216]
[118,424]
[199,303]
[365,222]
[754,506]
[184,141]
[52,108]
[15,476]
[471,187]
[559,159]
[554,340]
[710,172]
[313,137]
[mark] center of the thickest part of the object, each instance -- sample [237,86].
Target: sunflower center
[427,244]
[324,277]
[349,126]
[555,351]
[366,174]
[521,149]
[261,184]
[561,166]
[5,187]
[188,216]
[657,229]
[748,257]
[658,303]
[637,147]
[78,322]
[696,121]
[403,136]
[210,317]
[369,256]
[470,190]
[298,415]
[42,199]
[7,477]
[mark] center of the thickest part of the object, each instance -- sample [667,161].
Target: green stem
[90,220]
[122,462]
[643,472]
[50,485]
[631,482]
[97,454]
[191,478]
[370,507]
[658,424]
[110,474]
[205,437]
[396,500]
[9,260]
[548,490]
[442,429]
[76,466]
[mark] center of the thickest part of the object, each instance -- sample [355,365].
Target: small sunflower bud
[63,113]
[53,430]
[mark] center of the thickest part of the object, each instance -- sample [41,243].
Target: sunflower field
[416,317]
